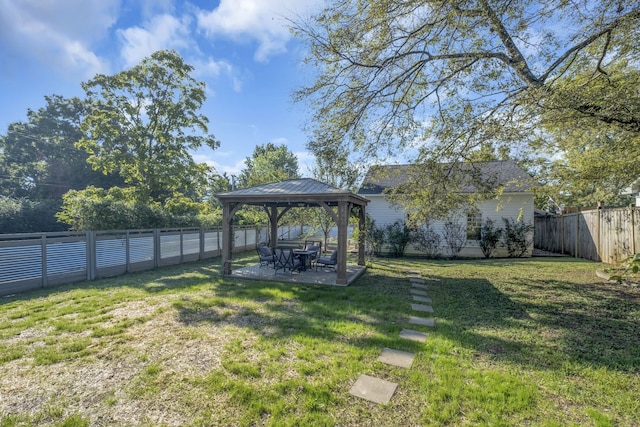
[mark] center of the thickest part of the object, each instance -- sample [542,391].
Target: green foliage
[38,158]
[26,216]
[125,208]
[489,237]
[454,235]
[375,236]
[269,163]
[474,69]
[427,240]
[397,236]
[142,123]
[517,236]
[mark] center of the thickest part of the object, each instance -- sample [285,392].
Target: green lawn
[517,342]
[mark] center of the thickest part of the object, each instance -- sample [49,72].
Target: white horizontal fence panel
[20,263]
[190,243]
[111,252]
[169,245]
[211,241]
[140,249]
[66,258]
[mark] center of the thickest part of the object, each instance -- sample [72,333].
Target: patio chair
[325,262]
[284,259]
[265,254]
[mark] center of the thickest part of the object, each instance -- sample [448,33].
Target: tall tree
[443,78]
[38,158]
[269,163]
[142,123]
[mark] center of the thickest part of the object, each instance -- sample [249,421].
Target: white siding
[511,205]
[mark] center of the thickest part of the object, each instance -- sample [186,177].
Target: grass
[517,342]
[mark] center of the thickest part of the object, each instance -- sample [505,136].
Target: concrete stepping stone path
[412,335]
[421,299]
[422,307]
[403,359]
[416,280]
[373,389]
[422,321]
[419,286]
[419,292]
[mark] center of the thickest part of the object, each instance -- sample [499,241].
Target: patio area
[311,276]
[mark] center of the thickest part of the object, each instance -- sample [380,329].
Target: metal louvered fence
[41,260]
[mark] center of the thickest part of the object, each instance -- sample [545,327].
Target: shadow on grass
[544,324]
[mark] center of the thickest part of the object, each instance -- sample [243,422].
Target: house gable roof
[504,173]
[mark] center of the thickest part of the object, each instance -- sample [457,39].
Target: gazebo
[278,197]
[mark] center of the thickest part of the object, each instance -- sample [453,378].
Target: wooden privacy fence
[607,235]
[40,260]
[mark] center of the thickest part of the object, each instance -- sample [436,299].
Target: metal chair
[332,261]
[284,259]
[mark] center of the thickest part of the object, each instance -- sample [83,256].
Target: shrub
[455,236]
[518,237]
[427,240]
[374,237]
[19,215]
[489,237]
[398,236]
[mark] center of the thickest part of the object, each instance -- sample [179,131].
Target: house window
[474,224]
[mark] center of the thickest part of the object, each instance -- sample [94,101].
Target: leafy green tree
[21,215]
[142,123]
[269,163]
[38,158]
[442,79]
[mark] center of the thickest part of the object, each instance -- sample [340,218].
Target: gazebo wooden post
[343,224]
[227,231]
[361,234]
[273,220]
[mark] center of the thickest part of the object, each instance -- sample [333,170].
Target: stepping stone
[413,273]
[419,292]
[412,335]
[422,321]
[422,307]
[399,358]
[419,286]
[373,389]
[414,280]
[421,299]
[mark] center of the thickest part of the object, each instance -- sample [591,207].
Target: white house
[515,201]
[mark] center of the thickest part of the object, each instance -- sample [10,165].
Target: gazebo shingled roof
[302,192]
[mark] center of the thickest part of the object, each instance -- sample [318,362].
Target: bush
[18,215]
[518,237]
[427,240]
[398,236]
[455,236]
[374,237]
[489,237]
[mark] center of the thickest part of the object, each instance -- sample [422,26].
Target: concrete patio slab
[422,307]
[266,273]
[412,335]
[421,299]
[403,359]
[419,292]
[422,321]
[373,389]
[419,286]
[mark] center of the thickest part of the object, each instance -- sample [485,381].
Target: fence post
[577,253]
[598,219]
[202,236]
[91,255]
[156,248]
[43,242]
[633,229]
[127,251]
[181,246]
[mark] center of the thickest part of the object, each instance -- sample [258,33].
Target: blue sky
[242,49]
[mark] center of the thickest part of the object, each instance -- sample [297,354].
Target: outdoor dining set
[300,259]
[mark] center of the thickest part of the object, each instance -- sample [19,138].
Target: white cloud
[161,32]
[306,161]
[58,33]
[230,169]
[261,20]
